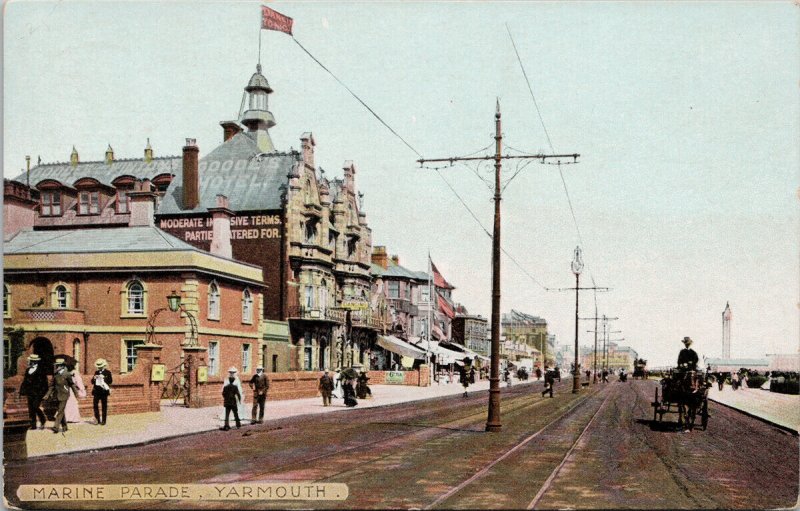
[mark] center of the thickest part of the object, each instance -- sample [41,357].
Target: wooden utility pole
[595,318]
[493,419]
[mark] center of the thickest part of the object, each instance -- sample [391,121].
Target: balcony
[401,305]
[49,315]
[315,314]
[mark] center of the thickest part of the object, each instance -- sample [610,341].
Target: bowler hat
[100,363]
[687,341]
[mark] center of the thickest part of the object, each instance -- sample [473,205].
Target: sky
[685,115]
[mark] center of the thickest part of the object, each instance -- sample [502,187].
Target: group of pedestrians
[62,392]
[233,397]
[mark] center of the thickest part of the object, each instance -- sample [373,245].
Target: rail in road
[595,449]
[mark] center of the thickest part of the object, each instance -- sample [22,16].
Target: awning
[443,355]
[399,346]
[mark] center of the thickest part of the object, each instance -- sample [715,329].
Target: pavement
[780,409]
[177,420]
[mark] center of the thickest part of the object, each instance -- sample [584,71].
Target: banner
[273,20]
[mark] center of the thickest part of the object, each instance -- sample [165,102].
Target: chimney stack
[148,152]
[229,129]
[221,229]
[191,180]
[109,155]
[73,158]
[396,260]
[143,204]
[379,256]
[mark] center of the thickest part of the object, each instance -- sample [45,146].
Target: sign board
[202,374]
[355,305]
[395,377]
[157,372]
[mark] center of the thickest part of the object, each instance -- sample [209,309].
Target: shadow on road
[417,425]
[660,425]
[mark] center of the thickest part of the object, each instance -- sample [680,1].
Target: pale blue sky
[685,114]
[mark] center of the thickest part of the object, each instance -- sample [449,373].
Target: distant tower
[255,112]
[726,331]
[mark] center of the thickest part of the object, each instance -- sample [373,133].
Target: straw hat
[34,358]
[100,363]
[59,362]
[233,370]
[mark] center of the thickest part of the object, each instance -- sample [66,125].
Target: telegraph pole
[595,318]
[493,419]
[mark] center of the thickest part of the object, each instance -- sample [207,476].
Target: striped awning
[399,346]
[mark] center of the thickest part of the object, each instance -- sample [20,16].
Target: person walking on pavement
[472,375]
[72,411]
[62,383]
[231,397]
[549,379]
[101,389]
[349,393]
[326,388]
[464,380]
[259,384]
[34,387]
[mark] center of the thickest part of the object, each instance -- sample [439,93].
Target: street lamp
[577,267]
[174,303]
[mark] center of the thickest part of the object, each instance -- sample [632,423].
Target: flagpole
[259,45]
[430,308]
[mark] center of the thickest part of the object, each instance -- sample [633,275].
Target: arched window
[6,301]
[136,298]
[247,307]
[61,297]
[213,301]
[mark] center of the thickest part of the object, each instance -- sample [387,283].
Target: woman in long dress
[71,412]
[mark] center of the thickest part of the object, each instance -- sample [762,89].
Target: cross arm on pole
[542,157]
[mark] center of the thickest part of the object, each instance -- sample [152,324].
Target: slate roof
[251,180]
[397,271]
[67,175]
[128,239]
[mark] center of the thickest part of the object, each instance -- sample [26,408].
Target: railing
[53,315]
[327,314]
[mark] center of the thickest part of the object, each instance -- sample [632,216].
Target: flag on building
[273,20]
[438,279]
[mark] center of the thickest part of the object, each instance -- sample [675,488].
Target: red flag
[273,20]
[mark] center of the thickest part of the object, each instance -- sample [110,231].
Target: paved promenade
[171,421]
[781,409]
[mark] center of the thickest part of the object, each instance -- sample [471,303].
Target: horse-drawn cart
[684,393]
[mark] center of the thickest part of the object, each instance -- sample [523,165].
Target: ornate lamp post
[577,267]
[174,305]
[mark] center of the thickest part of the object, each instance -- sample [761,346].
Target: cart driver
[687,358]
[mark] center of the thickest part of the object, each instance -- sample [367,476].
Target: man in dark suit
[230,398]
[101,388]
[549,379]
[326,388]
[62,383]
[259,384]
[34,387]
[687,358]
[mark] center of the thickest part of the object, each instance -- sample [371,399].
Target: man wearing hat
[62,383]
[101,388]
[326,388]
[34,387]
[687,358]
[259,384]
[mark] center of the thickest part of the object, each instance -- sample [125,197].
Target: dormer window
[311,231]
[89,203]
[50,203]
[123,201]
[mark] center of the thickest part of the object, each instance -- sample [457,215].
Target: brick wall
[289,385]
[417,378]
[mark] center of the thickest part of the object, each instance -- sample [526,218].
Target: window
[309,297]
[425,294]
[130,355]
[352,244]
[135,298]
[274,363]
[247,307]
[331,239]
[51,203]
[307,351]
[76,350]
[6,302]
[394,289]
[311,231]
[245,358]
[213,301]
[123,202]
[88,203]
[323,296]
[61,297]
[6,356]
[213,358]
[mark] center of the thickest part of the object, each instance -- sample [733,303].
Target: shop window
[245,358]
[247,307]
[50,203]
[88,203]
[130,355]
[213,301]
[213,358]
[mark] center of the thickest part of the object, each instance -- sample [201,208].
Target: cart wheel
[704,415]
